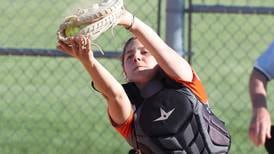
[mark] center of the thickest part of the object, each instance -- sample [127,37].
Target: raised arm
[170,61]
[260,125]
[119,106]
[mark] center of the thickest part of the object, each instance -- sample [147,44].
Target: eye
[129,56]
[144,52]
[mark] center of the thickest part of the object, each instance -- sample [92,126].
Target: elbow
[188,77]
[182,77]
[185,72]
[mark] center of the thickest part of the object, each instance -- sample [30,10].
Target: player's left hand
[78,46]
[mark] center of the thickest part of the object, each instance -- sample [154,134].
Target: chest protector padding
[173,121]
[177,125]
[165,101]
[168,119]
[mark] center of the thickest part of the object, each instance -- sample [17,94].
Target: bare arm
[169,60]
[118,103]
[257,89]
[119,106]
[260,125]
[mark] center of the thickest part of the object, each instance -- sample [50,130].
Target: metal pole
[190,32]
[175,25]
[159,17]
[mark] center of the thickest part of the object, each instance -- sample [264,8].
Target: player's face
[139,65]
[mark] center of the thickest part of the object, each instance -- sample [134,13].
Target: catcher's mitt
[93,21]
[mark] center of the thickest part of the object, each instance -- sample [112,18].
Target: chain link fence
[47,105]
[225,41]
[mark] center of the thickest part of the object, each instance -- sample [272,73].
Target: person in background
[260,131]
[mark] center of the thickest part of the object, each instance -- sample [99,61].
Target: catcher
[163,108]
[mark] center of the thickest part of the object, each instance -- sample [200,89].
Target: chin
[139,79]
[142,76]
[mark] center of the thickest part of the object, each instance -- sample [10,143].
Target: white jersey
[265,62]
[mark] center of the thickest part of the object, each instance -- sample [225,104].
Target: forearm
[119,106]
[102,79]
[257,90]
[170,61]
[260,125]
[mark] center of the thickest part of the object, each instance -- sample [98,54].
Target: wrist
[131,23]
[88,63]
[126,19]
[260,109]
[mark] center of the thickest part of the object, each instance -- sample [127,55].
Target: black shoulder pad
[133,94]
[168,82]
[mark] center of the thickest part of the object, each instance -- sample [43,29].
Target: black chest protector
[169,119]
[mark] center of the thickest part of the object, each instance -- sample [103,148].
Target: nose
[137,57]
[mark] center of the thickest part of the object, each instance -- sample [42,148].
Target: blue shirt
[265,62]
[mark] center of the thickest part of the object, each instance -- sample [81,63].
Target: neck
[150,88]
[141,85]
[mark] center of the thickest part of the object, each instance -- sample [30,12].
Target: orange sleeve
[196,87]
[125,128]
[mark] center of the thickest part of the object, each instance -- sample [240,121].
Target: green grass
[48,107]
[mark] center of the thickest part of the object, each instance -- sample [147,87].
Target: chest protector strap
[173,121]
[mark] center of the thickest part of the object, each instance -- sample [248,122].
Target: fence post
[175,25]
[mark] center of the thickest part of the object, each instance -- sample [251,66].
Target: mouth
[138,68]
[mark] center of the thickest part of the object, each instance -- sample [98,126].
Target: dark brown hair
[124,49]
